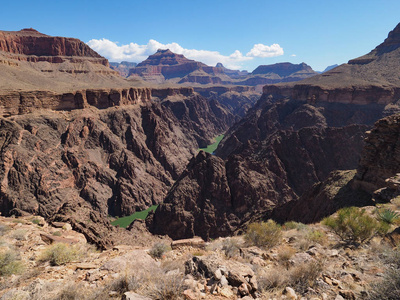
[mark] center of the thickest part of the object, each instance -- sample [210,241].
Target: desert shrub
[272,279]
[158,250]
[294,225]
[388,288]
[166,287]
[19,234]
[353,225]
[264,234]
[124,284]
[57,233]
[316,236]
[230,247]
[304,275]
[10,264]
[285,253]
[60,253]
[74,292]
[387,215]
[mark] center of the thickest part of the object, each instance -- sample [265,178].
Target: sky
[241,34]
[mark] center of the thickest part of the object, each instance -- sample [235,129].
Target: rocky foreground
[51,261]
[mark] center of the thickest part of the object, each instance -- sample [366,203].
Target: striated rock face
[14,103]
[33,46]
[87,164]
[270,158]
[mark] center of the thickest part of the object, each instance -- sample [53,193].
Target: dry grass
[60,254]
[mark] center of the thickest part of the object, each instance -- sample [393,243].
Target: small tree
[353,225]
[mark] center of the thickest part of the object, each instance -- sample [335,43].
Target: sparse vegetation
[264,234]
[60,253]
[57,233]
[36,221]
[158,250]
[353,225]
[10,264]
[19,234]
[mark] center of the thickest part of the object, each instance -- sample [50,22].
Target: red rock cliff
[31,45]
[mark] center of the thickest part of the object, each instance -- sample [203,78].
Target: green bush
[158,250]
[353,225]
[264,234]
[387,215]
[60,253]
[294,225]
[9,264]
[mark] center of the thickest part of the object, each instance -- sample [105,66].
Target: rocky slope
[308,261]
[238,99]
[87,164]
[269,159]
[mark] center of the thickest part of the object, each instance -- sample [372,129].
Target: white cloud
[260,50]
[137,53]
[293,55]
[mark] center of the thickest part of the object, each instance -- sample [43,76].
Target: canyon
[84,145]
[294,137]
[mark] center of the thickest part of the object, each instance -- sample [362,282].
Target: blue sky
[239,33]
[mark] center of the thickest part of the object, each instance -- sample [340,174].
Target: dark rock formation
[270,158]
[84,165]
[238,99]
[381,156]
